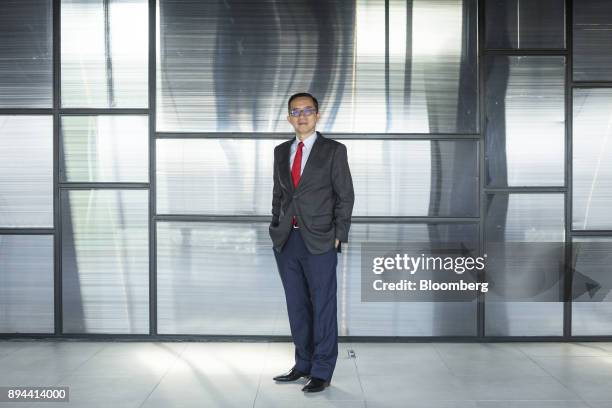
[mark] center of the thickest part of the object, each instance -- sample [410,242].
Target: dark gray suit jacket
[323,200]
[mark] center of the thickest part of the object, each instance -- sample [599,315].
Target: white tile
[531,404]
[561,349]
[421,404]
[517,388]
[104,392]
[139,365]
[413,386]
[201,390]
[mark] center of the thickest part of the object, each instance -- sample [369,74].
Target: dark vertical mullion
[57,271]
[152,189]
[387,79]
[567,278]
[110,98]
[480,306]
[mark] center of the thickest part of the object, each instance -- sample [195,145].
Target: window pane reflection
[231,67]
[525,23]
[26,284]
[105,148]
[104,53]
[390,177]
[221,278]
[592,56]
[525,248]
[591,286]
[26,171]
[26,47]
[525,126]
[105,261]
[592,158]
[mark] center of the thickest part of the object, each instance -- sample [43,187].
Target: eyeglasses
[297,112]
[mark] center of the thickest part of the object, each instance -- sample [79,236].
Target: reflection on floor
[423,375]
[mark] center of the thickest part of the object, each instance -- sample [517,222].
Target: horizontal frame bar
[591,233]
[286,136]
[104,111]
[277,338]
[591,84]
[96,186]
[527,51]
[354,220]
[27,231]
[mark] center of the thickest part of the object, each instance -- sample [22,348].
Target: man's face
[303,125]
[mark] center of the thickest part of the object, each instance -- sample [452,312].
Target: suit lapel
[285,165]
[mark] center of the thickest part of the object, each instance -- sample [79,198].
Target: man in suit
[311,215]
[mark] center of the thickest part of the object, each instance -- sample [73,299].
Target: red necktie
[296,170]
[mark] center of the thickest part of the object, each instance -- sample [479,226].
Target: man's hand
[337,242]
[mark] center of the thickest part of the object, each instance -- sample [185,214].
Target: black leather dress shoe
[291,375]
[315,384]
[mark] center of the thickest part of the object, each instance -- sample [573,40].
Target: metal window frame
[57,111]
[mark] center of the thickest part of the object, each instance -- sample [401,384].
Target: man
[311,215]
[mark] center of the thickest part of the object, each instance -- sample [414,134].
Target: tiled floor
[427,375]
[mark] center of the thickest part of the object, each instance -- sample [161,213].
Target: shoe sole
[287,381]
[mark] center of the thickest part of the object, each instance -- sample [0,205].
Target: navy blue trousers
[310,291]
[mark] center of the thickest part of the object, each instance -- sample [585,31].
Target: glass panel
[592,281]
[525,24]
[432,78]
[105,261]
[214,176]
[592,47]
[104,53]
[525,126]
[231,67]
[416,177]
[26,171]
[592,151]
[390,177]
[439,318]
[197,294]
[26,284]
[216,278]
[105,148]
[525,235]
[26,47]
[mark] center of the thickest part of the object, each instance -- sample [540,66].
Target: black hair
[301,95]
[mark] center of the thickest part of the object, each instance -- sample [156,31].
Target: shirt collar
[309,141]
